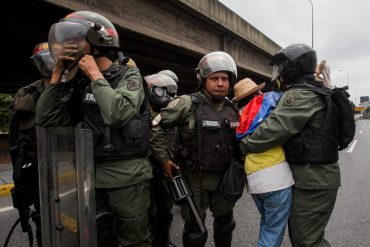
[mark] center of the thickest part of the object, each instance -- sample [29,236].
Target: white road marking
[360,132]
[350,150]
[6,209]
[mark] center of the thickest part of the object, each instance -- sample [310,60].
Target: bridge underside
[156,34]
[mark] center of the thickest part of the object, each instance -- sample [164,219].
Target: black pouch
[233,182]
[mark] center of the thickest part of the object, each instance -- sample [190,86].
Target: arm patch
[291,97]
[133,84]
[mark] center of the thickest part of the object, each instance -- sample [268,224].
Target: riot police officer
[297,122]
[206,122]
[23,141]
[162,89]
[89,89]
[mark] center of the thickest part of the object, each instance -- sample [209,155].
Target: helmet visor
[64,34]
[217,61]
[276,71]
[162,81]
[44,62]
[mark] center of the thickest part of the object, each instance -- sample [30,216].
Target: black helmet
[293,62]
[215,62]
[42,59]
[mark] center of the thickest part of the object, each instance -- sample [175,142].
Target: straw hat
[245,88]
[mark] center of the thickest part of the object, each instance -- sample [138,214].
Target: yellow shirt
[259,161]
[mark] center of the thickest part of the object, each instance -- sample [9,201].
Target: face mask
[159,97]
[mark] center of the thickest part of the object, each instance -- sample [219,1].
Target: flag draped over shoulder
[255,112]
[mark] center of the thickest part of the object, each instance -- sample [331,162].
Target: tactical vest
[111,143]
[315,145]
[213,144]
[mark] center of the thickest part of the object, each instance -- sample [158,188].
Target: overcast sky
[341,33]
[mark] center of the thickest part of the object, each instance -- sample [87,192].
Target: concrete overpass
[171,34]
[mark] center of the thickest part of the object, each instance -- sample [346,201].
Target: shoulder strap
[145,105]
[232,105]
[309,86]
[196,100]
[115,76]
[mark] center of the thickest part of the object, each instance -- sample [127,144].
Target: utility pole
[311,22]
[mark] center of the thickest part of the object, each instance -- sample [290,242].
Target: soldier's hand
[65,56]
[167,168]
[89,67]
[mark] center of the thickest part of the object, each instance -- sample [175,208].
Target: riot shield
[67,197]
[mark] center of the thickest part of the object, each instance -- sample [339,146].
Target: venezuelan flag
[255,112]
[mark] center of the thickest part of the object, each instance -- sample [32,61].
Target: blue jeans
[274,208]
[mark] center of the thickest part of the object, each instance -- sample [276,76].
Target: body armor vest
[315,145]
[213,144]
[111,143]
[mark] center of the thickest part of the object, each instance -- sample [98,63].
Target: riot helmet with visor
[77,34]
[215,62]
[293,62]
[42,59]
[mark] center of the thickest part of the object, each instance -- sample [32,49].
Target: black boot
[192,237]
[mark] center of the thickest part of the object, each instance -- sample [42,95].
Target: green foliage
[5,100]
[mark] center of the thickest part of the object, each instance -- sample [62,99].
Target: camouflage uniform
[203,184]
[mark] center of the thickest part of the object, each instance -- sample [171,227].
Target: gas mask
[159,97]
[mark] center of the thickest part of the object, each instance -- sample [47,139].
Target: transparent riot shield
[67,195]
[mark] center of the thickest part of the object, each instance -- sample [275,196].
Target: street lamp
[311,21]
[342,70]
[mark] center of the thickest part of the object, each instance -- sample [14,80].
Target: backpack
[345,119]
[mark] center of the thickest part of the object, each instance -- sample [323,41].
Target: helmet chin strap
[96,53]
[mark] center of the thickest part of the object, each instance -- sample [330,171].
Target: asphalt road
[349,224]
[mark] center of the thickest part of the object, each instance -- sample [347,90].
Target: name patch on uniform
[234,125]
[211,124]
[89,98]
